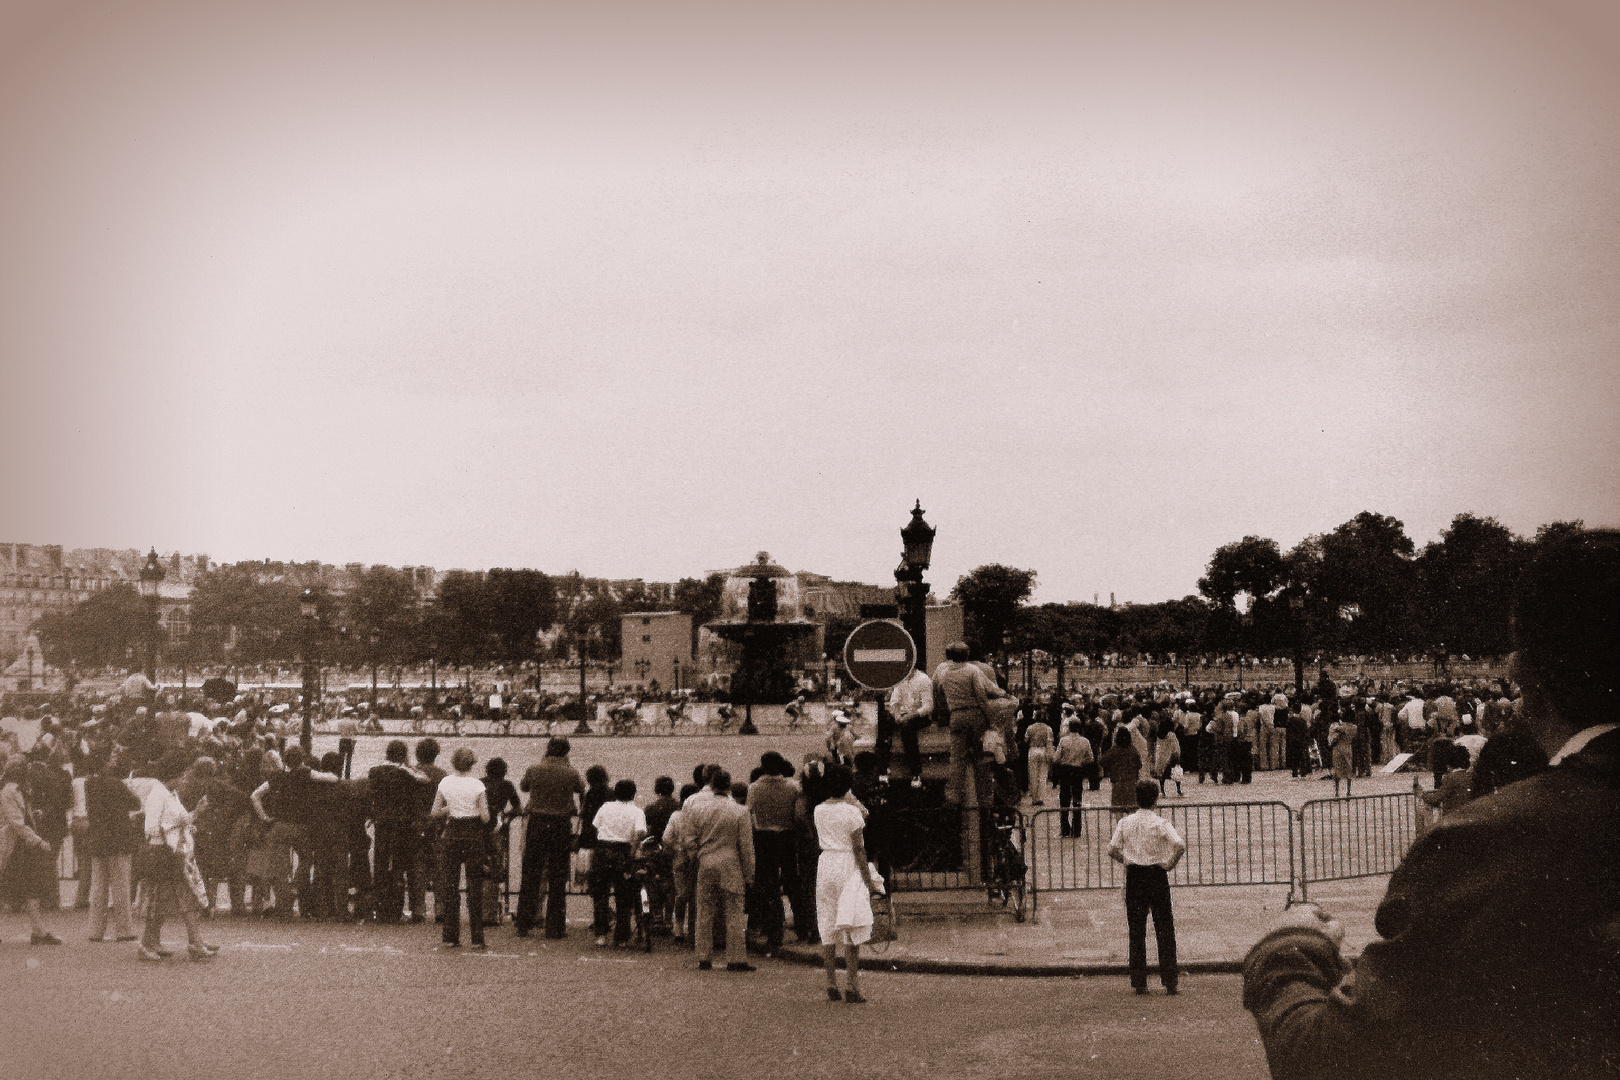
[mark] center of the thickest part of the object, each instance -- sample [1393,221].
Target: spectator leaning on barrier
[1499,935]
[393,799]
[554,788]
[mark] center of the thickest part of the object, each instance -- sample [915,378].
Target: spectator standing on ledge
[1497,953]
[910,708]
[1149,848]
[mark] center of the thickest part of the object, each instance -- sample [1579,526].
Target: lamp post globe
[917,539]
[917,547]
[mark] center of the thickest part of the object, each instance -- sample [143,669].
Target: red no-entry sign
[879,654]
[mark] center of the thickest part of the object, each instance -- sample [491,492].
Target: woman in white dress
[839,826]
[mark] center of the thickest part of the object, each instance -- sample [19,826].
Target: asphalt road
[289,1000]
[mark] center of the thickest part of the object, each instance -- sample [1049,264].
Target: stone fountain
[770,647]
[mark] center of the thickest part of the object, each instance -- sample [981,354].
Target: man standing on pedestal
[968,691]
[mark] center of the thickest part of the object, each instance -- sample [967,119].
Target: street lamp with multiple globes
[911,591]
[152,575]
[309,612]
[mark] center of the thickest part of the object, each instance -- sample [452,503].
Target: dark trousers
[1147,890]
[545,862]
[423,868]
[1299,757]
[396,848]
[610,877]
[1243,760]
[1071,781]
[909,745]
[329,884]
[360,879]
[802,896]
[776,866]
[465,844]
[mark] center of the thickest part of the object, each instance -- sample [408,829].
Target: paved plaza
[325,1000]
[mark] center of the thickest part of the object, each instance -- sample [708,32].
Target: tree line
[240,614]
[1364,588]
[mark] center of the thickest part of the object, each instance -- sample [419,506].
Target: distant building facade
[45,579]
[657,645]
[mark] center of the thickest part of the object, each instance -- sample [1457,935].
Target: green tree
[1251,567]
[100,631]
[383,617]
[241,614]
[1368,577]
[1468,577]
[522,603]
[701,598]
[990,597]
[461,621]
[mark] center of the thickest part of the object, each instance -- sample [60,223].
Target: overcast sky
[640,288]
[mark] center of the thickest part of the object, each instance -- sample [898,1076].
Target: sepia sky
[640,288]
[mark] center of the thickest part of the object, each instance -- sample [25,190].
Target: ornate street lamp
[677,674]
[642,666]
[309,612]
[917,545]
[30,684]
[918,540]
[152,575]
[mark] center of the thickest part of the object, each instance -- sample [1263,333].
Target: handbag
[885,929]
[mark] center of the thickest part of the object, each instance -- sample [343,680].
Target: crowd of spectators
[257,827]
[234,819]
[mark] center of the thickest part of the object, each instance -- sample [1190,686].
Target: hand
[1309,917]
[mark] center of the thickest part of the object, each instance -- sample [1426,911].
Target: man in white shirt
[910,708]
[1149,847]
[620,827]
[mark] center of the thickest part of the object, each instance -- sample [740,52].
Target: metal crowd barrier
[1248,843]
[942,849]
[1363,836]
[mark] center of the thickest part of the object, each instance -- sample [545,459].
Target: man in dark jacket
[1499,950]
[395,798]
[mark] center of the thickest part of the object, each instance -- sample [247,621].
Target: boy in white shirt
[1149,848]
